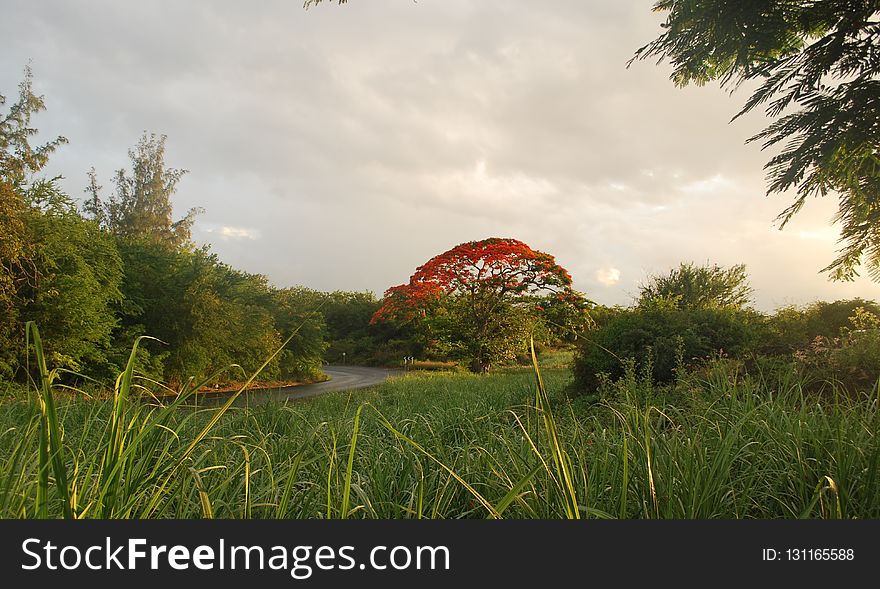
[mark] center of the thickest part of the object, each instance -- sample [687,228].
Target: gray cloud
[341,147]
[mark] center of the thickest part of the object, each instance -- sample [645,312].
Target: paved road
[342,378]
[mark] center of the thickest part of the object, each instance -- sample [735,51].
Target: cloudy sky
[341,147]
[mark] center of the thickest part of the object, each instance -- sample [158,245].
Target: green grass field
[441,445]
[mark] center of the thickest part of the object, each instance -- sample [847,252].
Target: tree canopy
[817,62]
[19,160]
[481,296]
[55,267]
[699,287]
[140,206]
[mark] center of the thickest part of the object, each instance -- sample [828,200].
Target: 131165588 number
[808,554]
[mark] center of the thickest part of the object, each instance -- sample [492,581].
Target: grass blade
[346,490]
[50,451]
[561,460]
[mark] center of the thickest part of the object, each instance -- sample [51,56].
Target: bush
[851,360]
[795,328]
[662,338]
[857,361]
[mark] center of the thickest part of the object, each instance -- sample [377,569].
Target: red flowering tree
[480,299]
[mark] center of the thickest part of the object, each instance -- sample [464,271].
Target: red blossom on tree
[486,280]
[404,302]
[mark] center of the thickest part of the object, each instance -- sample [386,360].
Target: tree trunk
[479,366]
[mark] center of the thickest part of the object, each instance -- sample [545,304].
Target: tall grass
[431,445]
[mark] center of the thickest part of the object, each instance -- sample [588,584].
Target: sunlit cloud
[481,185]
[608,276]
[226,232]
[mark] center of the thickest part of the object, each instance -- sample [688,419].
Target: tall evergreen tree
[19,162]
[140,206]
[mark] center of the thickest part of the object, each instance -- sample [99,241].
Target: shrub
[662,338]
[852,359]
[794,328]
[857,361]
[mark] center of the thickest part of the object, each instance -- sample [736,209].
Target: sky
[341,147]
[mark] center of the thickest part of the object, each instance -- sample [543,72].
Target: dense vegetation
[98,274]
[695,314]
[785,426]
[714,444]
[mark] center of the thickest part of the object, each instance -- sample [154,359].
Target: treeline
[96,276]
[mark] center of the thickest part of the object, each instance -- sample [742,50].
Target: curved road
[342,378]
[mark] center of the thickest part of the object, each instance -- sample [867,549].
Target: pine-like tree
[140,206]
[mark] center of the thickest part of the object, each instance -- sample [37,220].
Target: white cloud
[227,232]
[608,276]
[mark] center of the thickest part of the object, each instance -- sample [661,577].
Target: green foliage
[76,276]
[347,318]
[442,335]
[852,359]
[661,339]
[138,452]
[19,160]
[794,328]
[449,333]
[700,287]
[62,272]
[298,311]
[209,315]
[555,358]
[857,360]
[817,63]
[601,315]
[140,206]
[95,285]
[16,264]
[434,366]
[344,320]
[822,342]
